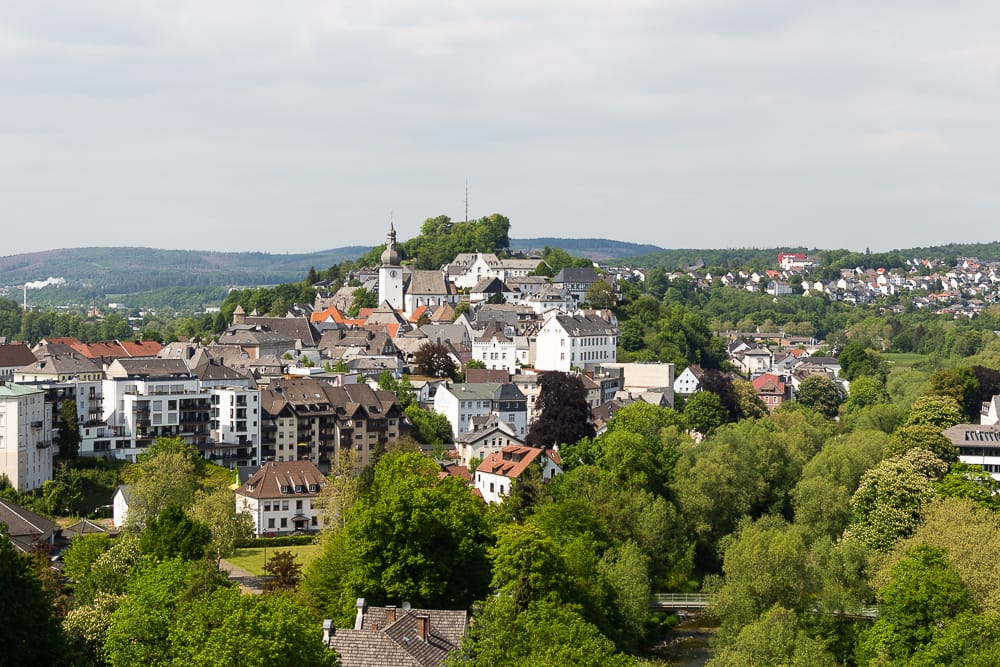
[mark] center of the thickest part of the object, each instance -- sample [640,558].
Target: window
[298,504]
[270,523]
[267,507]
[284,505]
[284,522]
[315,521]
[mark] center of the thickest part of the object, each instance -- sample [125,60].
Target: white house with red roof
[281,497]
[496,476]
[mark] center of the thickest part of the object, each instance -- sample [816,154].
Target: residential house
[990,413]
[496,348]
[25,437]
[397,636]
[689,381]
[281,497]
[497,474]
[484,438]
[12,357]
[772,390]
[643,377]
[59,368]
[27,531]
[490,289]
[119,505]
[576,280]
[575,341]
[460,402]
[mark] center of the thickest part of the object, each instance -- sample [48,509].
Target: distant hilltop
[150,268]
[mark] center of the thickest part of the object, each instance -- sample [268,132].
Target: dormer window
[314,488]
[285,488]
[300,488]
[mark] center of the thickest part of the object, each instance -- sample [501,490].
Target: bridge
[680,601]
[701,601]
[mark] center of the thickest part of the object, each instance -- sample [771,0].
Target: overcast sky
[288,127]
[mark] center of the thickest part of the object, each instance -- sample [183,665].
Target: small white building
[25,436]
[496,348]
[497,474]
[689,381]
[479,444]
[119,506]
[281,497]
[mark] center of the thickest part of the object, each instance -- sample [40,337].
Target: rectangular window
[284,522]
[298,504]
[270,523]
[284,505]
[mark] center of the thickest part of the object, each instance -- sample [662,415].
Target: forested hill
[136,269]
[599,249]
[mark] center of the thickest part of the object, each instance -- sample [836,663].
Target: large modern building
[977,444]
[25,436]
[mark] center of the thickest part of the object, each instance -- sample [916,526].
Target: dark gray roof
[23,526]
[382,641]
[574,274]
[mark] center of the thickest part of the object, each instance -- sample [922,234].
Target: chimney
[390,615]
[360,618]
[327,630]
[422,627]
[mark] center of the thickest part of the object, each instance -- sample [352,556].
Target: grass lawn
[251,559]
[904,359]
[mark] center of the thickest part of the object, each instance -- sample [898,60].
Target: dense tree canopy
[563,412]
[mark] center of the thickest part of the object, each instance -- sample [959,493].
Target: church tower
[390,275]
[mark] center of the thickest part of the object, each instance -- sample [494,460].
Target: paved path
[249,583]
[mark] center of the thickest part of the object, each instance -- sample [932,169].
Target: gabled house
[119,505]
[576,281]
[581,341]
[990,413]
[460,402]
[281,497]
[27,531]
[495,348]
[478,443]
[772,390]
[14,356]
[497,474]
[397,636]
[689,381]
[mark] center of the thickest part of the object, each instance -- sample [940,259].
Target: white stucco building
[26,449]
[281,497]
[575,341]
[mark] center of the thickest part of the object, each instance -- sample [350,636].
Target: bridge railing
[680,600]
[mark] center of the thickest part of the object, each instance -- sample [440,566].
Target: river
[687,644]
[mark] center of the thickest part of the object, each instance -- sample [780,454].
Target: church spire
[390,257]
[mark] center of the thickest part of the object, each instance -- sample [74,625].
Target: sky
[297,126]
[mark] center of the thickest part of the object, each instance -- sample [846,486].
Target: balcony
[37,423]
[43,444]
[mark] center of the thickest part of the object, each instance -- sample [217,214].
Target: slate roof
[23,526]
[388,637]
[973,435]
[293,328]
[429,282]
[574,274]
[586,325]
[61,364]
[150,368]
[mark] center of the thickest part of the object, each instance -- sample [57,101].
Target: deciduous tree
[563,412]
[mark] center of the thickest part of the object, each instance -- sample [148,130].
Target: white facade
[461,402]
[687,383]
[25,437]
[578,341]
[497,474]
[390,286]
[498,353]
[479,445]
[276,516]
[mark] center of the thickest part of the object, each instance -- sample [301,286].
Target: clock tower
[390,274]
